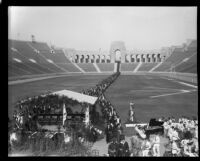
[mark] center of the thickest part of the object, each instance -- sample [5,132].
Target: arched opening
[87,59]
[108,58]
[82,58]
[92,58]
[98,59]
[158,58]
[137,58]
[148,58]
[142,58]
[103,59]
[77,59]
[117,55]
[153,58]
[132,59]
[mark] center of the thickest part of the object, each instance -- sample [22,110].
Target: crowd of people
[27,110]
[118,148]
[182,133]
[181,136]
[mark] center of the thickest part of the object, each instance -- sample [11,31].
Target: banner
[64,113]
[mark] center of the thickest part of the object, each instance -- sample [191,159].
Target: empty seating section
[174,59]
[60,57]
[26,58]
[128,66]
[69,67]
[41,68]
[163,67]
[147,66]
[106,67]
[26,52]
[42,47]
[87,67]
[189,66]
[14,71]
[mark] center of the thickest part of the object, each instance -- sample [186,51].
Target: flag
[64,113]
[87,118]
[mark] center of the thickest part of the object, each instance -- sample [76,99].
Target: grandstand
[128,66]
[87,67]
[175,58]
[189,65]
[146,66]
[106,67]
[35,58]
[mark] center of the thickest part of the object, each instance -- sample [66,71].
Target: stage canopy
[77,96]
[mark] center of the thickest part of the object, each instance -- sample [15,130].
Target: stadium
[160,83]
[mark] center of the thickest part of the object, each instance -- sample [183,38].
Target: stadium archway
[117,55]
[117,50]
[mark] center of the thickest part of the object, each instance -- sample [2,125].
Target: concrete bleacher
[21,63]
[87,67]
[69,67]
[175,58]
[128,66]
[27,52]
[188,66]
[59,57]
[106,67]
[147,66]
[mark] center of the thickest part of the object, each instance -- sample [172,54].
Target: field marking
[167,78]
[187,84]
[169,94]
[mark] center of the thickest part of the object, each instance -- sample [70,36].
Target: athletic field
[154,96]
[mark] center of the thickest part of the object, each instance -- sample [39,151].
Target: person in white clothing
[156,146]
[175,149]
[146,148]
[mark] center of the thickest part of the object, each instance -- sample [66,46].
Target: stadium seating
[175,58]
[128,66]
[69,67]
[27,52]
[189,66]
[60,57]
[21,63]
[87,67]
[106,67]
[147,66]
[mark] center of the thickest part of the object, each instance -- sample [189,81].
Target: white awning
[77,96]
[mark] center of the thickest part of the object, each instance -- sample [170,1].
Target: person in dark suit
[113,148]
[123,148]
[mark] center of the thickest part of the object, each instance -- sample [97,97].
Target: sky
[92,28]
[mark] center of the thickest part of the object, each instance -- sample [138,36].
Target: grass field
[138,88]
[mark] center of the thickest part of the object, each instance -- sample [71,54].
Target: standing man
[123,150]
[156,146]
[146,148]
[113,148]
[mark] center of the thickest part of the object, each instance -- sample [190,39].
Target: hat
[122,137]
[114,139]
